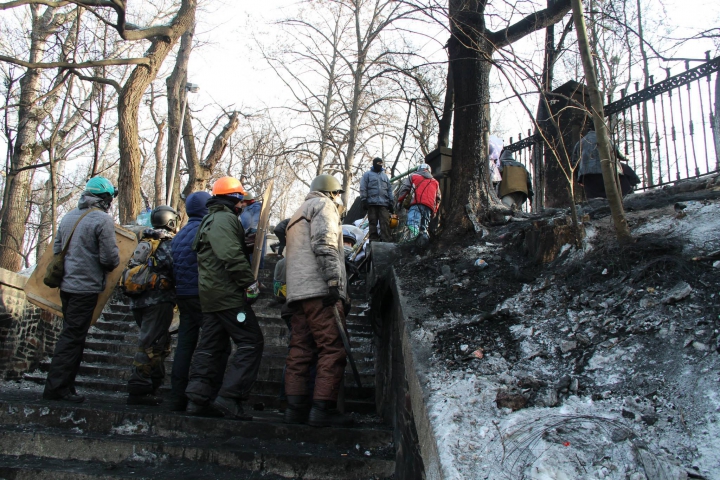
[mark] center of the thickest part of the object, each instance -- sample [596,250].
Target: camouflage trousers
[148,368]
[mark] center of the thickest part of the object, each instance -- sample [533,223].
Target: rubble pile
[602,364]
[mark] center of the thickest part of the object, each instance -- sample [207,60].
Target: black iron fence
[668,131]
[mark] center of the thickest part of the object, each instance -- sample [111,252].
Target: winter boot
[197,410]
[324,414]
[71,397]
[148,399]
[231,408]
[298,409]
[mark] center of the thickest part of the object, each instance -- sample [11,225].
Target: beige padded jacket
[313,252]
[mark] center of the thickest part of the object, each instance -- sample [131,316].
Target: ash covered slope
[602,364]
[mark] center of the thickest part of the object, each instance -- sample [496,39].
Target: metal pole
[176,159]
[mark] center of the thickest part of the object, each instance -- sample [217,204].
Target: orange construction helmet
[229,186]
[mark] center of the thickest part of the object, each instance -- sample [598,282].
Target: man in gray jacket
[376,196]
[91,254]
[316,290]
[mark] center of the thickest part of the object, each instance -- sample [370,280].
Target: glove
[332,297]
[350,268]
[252,293]
[364,204]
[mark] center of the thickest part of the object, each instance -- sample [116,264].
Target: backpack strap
[67,242]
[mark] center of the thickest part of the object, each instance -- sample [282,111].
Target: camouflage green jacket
[164,267]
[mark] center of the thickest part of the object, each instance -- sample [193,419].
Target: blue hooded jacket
[185,265]
[250,217]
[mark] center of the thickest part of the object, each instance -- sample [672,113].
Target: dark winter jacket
[92,252]
[376,189]
[185,265]
[250,217]
[587,153]
[223,266]
[163,266]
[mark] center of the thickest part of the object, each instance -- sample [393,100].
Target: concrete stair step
[270,360]
[265,388]
[274,457]
[128,349]
[30,467]
[106,414]
[266,372]
[127,343]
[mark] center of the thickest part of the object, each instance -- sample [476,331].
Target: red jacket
[427,190]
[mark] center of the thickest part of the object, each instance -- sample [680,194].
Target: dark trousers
[191,318]
[243,365]
[315,332]
[382,214]
[77,311]
[148,368]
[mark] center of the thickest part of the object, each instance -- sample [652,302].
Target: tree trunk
[129,201]
[470,55]
[607,162]
[158,180]
[30,115]
[325,132]
[200,173]
[177,95]
[446,120]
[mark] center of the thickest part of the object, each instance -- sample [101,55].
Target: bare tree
[471,49]
[607,161]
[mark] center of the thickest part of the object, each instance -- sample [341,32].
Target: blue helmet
[100,185]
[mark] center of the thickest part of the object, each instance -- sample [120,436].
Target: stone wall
[27,333]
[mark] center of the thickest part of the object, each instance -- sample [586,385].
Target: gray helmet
[164,217]
[249,197]
[326,183]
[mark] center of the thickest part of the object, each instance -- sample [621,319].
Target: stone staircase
[104,438]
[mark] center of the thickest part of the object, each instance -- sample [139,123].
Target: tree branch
[89,64]
[19,3]
[105,81]
[533,22]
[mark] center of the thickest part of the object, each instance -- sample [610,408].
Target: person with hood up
[516,185]
[185,269]
[90,256]
[225,283]
[316,291]
[152,303]
[376,196]
[250,219]
[589,171]
[424,201]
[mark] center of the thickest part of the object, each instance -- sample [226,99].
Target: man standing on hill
[424,201]
[376,196]
[316,283]
[224,277]
[91,254]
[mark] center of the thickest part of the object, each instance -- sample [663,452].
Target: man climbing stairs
[104,438]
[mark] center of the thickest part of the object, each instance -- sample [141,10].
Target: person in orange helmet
[225,276]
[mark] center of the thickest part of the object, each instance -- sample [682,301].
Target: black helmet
[164,217]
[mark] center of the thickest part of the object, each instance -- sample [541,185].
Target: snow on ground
[618,379]
[699,226]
